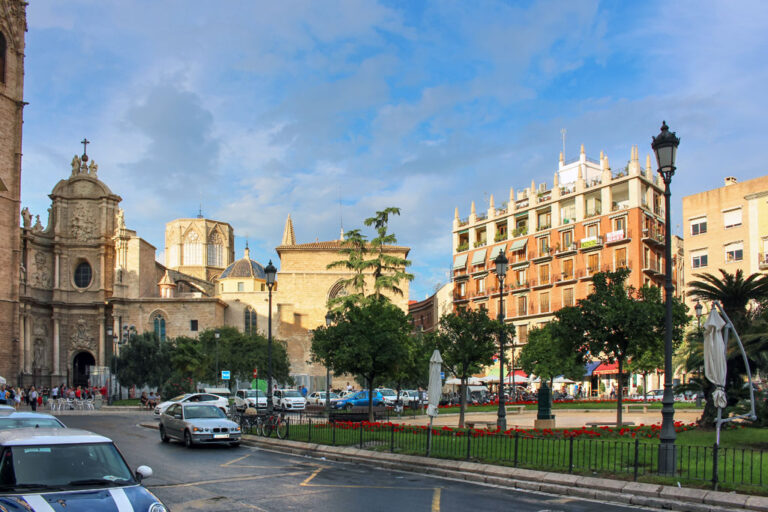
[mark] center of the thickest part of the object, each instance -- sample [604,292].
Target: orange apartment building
[592,218]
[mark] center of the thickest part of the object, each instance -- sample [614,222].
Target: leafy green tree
[548,355]
[367,340]
[355,248]
[412,371]
[388,269]
[618,323]
[467,342]
[144,361]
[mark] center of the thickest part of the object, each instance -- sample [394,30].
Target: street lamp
[328,323]
[114,366]
[699,312]
[216,336]
[501,271]
[665,147]
[270,271]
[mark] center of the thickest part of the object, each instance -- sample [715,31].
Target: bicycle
[267,424]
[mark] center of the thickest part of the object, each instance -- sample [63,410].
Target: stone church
[76,287]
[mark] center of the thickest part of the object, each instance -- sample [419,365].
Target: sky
[332,110]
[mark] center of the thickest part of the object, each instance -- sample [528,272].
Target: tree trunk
[645,387]
[370,400]
[619,393]
[462,401]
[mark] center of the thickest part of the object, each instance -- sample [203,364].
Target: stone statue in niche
[38,356]
[27,217]
[75,165]
[38,225]
[41,276]
[41,329]
[82,224]
[81,338]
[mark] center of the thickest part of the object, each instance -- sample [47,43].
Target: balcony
[463,222]
[593,212]
[500,236]
[462,247]
[481,243]
[762,260]
[519,286]
[565,277]
[481,216]
[522,203]
[653,268]
[459,297]
[544,254]
[521,231]
[545,196]
[591,243]
[542,227]
[658,210]
[566,250]
[617,237]
[653,237]
[542,283]
[570,189]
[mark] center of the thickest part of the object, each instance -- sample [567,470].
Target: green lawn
[127,401]
[591,452]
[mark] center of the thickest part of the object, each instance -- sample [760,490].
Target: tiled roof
[244,267]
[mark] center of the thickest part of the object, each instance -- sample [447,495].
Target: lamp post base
[667,459]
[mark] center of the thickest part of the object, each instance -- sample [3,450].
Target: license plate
[220,436]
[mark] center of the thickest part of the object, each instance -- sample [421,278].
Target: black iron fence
[581,454]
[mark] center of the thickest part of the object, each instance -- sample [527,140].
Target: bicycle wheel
[268,427]
[281,428]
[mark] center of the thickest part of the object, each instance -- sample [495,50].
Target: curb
[601,489]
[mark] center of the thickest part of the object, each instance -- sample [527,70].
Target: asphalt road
[212,479]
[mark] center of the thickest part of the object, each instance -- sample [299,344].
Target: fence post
[517,438]
[361,435]
[637,457]
[570,454]
[333,437]
[469,442]
[391,438]
[309,436]
[715,449]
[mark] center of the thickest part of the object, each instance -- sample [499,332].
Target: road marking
[310,477]
[224,480]
[436,500]
[306,483]
[235,460]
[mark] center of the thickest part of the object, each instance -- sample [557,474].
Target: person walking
[17,398]
[32,398]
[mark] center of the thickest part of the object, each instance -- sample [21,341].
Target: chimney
[730,180]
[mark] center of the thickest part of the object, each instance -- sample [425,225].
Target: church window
[159,327]
[249,321]
[83,275]
[193,250]
[173,256]
[215,251]
[3,51]
[241,286]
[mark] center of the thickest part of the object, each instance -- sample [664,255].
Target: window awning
[518,245]
[495,251]
[460,261]
[478,258]
[607,369]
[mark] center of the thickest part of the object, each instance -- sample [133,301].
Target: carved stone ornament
[38,356]
[41,275]
[120,219]
[41,328]
[83,224]
[81,339]
[27,217]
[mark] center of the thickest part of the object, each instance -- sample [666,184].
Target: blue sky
[261,109]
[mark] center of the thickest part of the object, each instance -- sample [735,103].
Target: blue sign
[224,374]
[442,375]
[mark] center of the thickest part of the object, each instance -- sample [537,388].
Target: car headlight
[157,507]
[235,429]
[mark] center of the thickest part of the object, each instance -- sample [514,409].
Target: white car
[389,396]
[318,397]
[288,400]
[250,398]
[410,398]
[220,402]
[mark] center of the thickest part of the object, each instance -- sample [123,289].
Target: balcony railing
[521,231]
[462,247]
[617,236]
[463,222]
[544,226]
[481,243]
[500,236]
[593,212]
[653,236]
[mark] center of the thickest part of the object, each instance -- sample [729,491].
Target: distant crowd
[34,398]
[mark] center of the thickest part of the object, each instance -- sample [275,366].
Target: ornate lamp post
[665,147]
[501,271]
[110,336]
[328,323]
[216,336]
[271,272]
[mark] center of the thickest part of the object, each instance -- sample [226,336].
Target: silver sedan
[196,423]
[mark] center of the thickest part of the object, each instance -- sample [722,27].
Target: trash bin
[98,401]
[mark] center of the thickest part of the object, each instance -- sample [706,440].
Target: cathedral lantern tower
[13,25]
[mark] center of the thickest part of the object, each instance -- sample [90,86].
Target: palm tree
[388,270]
[732,291]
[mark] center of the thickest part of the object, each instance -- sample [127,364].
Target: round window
[83,275]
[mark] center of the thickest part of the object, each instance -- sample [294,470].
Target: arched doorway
[81,368]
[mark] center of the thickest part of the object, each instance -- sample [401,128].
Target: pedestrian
[54,393]
[17,398]
[32,398]
[349,387]
[304,391]
[613,392]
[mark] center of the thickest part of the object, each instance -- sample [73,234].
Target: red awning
[607,369]
[518,374]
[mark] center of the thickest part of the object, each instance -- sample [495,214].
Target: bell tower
[13,25]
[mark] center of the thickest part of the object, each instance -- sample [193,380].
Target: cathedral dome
[244,267]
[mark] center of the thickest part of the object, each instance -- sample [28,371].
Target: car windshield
[10,423]
[178,398]
[63,466]
[387,392]
[291,394]
[254,393]
[202,411]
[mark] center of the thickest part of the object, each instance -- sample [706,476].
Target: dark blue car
[67,470]
[359,399]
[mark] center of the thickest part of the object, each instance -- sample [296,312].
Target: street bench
[486,424]
[609,424]
[357,414]
[644,407]
[515,409]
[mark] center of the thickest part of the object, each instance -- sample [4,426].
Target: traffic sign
[255,372]
[224,374]
[442,375]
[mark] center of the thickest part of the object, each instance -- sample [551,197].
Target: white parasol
[2,380]
[714,356]
[471,381]
[435,383]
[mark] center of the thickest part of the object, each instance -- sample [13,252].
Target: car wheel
[187,439]
[348,407]
[163,436]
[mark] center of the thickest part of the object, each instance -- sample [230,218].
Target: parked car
[220,402]
[654,395]
[29,419]
[245,398]
[411,398]
[318,397]
[359,399]
[388,395]
[198,423]
[288,400]
[47,468]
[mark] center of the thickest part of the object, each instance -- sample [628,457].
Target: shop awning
[518,245]
[495,251]
[460,261]
[478,258]
[607,369]
[590,367]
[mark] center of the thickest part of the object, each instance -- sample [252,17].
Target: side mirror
[143,472]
